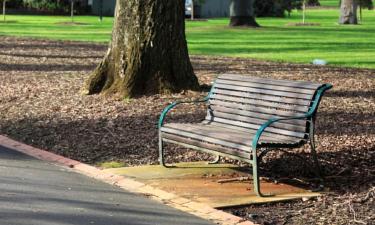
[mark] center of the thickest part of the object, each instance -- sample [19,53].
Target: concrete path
[34,192]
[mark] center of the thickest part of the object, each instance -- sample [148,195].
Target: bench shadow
[120,138]
[344,170]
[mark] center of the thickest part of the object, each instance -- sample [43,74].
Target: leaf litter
[41,105]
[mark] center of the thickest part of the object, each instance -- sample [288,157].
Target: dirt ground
[41,104]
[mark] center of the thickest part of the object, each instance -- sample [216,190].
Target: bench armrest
[174,104]
[309,114]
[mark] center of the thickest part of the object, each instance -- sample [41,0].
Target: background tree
[4,9]
[304,2]
[72,10]
[348,12]
[148,52]
[56,6]
[364,4]
[242,13]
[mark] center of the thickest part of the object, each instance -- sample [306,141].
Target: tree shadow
[134,139]
[51,56]
[42,44]
[46,67]
[344,170]
[351,94]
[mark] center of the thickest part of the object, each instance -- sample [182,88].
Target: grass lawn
[347,45]
[330,3]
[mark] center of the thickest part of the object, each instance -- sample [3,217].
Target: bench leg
[161,151]
[216,160]
[256,179]
[313,148]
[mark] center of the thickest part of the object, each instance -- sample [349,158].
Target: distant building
[209,9]
[214,8]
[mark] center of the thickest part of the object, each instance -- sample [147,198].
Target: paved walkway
[34,192]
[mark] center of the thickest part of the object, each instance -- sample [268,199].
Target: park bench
[247,117]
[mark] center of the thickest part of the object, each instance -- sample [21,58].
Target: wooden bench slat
[281,138]
[227,134]
[274,98]
[246,119]
[258,102]
[204,138]
[253,126]
[264,91]
[256,109]
[262,97]
[297,84]
[264,117]
[265,86]
[205,130]
[222,135]
[219,148]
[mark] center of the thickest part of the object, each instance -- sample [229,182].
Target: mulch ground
[41,104]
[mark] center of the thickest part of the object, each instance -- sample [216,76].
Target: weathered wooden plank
[287,83]
[263,97]
[266,86]
[244,154]
[265,135]
[205,130]
[273,98]
[204,138]
[251,90]
[250,120]
[226,134]
[266,117]
[256,109]
[222,133]
[253,126]
[221,96]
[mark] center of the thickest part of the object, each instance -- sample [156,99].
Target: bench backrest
[245,102]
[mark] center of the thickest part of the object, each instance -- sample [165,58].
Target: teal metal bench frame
[310,116]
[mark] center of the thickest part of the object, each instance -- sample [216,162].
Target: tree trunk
[242,13]
[192,10]
[72,10]
[348,11]
[4,7]
[148,52]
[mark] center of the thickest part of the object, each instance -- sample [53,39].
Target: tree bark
[148,52]
[348,12]
[72,10]
[4,8]
[242,13]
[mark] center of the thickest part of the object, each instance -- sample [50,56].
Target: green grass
[51,27]
[344,45]
[347,45]
[330,3]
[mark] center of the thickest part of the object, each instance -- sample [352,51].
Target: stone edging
[198,209]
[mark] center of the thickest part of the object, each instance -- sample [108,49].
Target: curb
[198,209]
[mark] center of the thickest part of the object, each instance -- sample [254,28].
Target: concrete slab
[199,182]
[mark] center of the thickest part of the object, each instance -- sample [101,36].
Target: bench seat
[223,138]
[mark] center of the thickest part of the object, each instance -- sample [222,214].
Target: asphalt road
[34,192]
